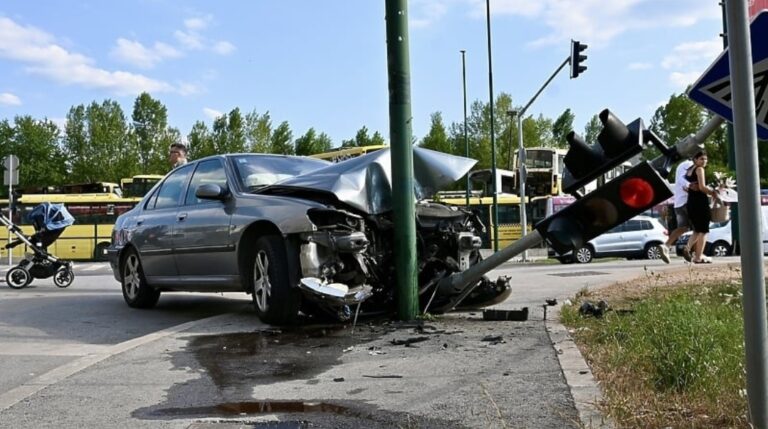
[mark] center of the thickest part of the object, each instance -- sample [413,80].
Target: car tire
[136,292]
[565,259]
[652,251]
[583,255]
[275,301]
[720,248]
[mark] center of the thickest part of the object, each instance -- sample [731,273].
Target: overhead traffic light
[577,58]
[617,201]
[616,143]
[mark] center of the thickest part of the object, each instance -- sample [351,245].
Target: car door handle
[181,216]
[139,221]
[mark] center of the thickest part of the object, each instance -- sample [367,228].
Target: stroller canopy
[50,216]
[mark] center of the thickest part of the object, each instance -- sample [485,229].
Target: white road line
[93,267]
[15,395]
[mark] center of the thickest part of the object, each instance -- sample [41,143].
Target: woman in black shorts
[699,212]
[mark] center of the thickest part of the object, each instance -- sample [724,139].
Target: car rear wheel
[653,251]
[583,255]
[720,248]
[136,292]
[276,302]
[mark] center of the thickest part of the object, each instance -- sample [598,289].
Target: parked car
[298,234]
[719,240]
[639,237]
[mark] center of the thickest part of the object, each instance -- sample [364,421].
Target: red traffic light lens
[636,192]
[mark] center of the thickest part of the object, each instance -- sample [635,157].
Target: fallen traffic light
[616,143]
[617,201]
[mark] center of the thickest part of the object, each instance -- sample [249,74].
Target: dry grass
[713,395]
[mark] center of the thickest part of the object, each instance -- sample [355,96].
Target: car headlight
[332,218]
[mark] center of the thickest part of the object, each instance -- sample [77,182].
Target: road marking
[93,267]
[17,394]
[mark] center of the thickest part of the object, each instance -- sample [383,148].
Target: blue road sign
[713,89]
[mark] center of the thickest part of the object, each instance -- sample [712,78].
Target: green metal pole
[403,199]
[495,187]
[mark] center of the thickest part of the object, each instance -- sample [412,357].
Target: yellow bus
[89,237]
[138,186]
[510,227]
[345,153]
[93,188]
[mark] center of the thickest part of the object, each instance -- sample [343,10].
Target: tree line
[99,142]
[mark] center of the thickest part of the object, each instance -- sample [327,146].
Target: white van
[719,239]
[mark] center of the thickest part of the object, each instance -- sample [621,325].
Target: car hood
[365,182]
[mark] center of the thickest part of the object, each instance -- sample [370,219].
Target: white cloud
[190,40]
[596,21]
[424,13]
[211,113]
[199,23]
[42,56]
[9,99]
[640,66]
[223,48]
[681,80]
[136,54]
[685,54]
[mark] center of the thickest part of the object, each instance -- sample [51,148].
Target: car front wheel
[720,248]
[583,255]
[276,302]
[653,251]
[136,292]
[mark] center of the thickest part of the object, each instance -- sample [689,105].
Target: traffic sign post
[10,178]
[713,89]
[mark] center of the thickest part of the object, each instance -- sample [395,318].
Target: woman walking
[698,207]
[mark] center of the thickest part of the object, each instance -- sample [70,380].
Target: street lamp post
[466,138]
[495,217]
[521,171]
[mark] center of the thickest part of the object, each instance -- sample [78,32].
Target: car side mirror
[211,191]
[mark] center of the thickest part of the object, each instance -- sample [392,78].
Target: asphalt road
[79,357]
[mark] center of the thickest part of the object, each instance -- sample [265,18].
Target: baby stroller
[49,221]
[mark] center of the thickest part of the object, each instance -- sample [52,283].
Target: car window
[632,225]
[615,229]
[645,225]
[207,172]
[170,191]
[257,171]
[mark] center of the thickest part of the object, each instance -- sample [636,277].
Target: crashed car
[301,235]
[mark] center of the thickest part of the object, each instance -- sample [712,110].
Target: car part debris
[589,309]
[512,315]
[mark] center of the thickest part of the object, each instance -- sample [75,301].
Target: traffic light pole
[521,171]
[745,140]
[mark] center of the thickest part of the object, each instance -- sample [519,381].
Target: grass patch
[672,358]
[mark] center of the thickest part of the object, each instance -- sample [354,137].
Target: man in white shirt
[681,213]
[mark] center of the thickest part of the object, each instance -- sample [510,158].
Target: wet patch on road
[579,274]
[232,364]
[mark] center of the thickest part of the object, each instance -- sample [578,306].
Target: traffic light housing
[577,58]
[616,143]
[617,201]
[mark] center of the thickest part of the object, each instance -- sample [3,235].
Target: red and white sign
[756,6]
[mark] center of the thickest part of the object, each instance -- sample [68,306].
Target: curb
[584,388]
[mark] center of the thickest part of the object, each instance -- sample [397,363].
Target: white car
[719,240]
[639,237]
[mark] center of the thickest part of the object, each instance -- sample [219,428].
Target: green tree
[437,138]
[200,141]
[562,126]
[36,144]
[311,143]
[150,138]
[363,139]
[258,132]
[282,140]
[592,130]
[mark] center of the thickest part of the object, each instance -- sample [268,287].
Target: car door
[609,241]
[153,236]
[205,253]
[631,238]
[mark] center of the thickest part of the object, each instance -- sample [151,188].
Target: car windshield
[257,171]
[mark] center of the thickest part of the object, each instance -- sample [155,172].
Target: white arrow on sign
[720,91]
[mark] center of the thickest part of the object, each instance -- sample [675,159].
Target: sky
[323,65]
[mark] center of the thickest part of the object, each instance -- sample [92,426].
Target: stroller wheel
[63,277]
[18,278]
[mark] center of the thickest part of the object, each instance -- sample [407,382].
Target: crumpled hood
[365,182]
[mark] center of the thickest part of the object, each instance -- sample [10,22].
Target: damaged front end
[350,259]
